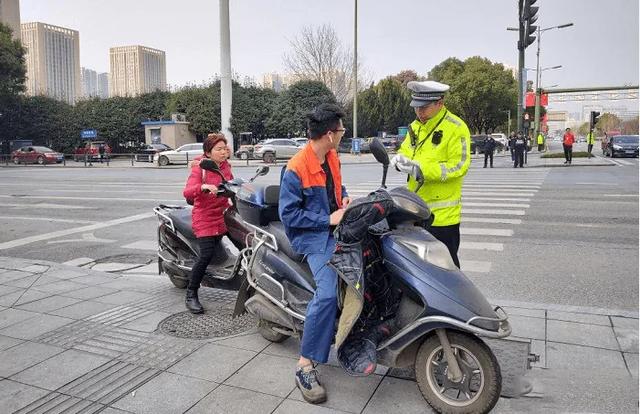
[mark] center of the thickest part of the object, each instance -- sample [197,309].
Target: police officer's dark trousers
[519,160]
[450,236]
[488,155]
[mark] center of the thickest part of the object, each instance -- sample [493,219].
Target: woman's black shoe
[192,302]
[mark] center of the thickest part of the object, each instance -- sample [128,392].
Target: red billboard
[531,99]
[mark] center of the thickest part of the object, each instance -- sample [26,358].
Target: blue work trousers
[320,320]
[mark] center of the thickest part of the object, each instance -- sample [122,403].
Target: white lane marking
[104,190]
[624,162]
[472,204]
[491,193]
[523,186]
[494,247]
[93,198]
[620,195]
[142,245]
[493,199]
[502,190]
[478,231]
[55,220]
[491,220]
[61,233]
[597,184]
[44,205]
[102,184]
[477,266]
[86,237]
[490,211]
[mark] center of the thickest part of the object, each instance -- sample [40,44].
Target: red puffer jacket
[208,208]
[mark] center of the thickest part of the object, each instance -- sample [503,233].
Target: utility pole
[355,69]
[225,71]
[526,17]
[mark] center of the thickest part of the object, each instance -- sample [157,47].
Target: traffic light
[593,119]
[528,16]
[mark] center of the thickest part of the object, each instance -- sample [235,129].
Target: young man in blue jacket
[312,203]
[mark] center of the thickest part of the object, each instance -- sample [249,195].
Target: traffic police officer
[540,142]
[438,145]
[591,139]
[520,148]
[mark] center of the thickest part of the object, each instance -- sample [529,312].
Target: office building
[136,70]
[10,15]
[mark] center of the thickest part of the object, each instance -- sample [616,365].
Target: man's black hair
[324,118]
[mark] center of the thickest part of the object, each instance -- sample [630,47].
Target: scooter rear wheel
[264,329]
[480,387]
[178,282]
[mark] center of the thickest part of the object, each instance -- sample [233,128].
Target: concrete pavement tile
[221,362]
[111,410]
[10,316]
[628,323]
[127,284]
[24,282]
[95,279]
[61,369]
[287,349]
[148,323]
[59,287]
[122,297]
[632,363]
[66,273]
[538,347]
[564,356]
[268,374]
[7,342]
[14,396]
[83,309]
[13,275]
[295,407]
[252,342]
[534,313]
[45,280]
[36,268]
[50,303]
[582,334]
[579,317]
[527,327]
[345,393]
[225,399]
[5,290]
[25,355]
[397,396]
[627,338]
[166,393]
[29,296]
[90,292]
[35,327]
[151,268]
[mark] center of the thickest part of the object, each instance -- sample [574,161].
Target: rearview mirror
[378,151]
[262,171]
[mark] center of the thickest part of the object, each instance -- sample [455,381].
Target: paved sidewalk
[74,340]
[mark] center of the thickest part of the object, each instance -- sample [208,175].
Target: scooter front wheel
[479,389]
[265,329]
[177,281]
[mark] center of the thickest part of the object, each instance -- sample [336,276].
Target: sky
[601,49]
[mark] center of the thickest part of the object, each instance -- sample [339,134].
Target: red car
[36,155]
[92,150]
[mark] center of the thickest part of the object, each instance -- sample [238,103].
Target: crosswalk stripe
[501,186]
[507,205]
[494,193]
[479,231]
[476,266]
[495,212]
[494,199]
[467,219]
[495,247]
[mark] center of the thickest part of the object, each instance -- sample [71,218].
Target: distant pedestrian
[512,145]
[591,139]
[540,142]
[604,143]
[567,144]
[519,148]
[101,151]
[489,147]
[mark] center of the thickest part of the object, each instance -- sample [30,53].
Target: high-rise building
[103,85]
[136,70]
[273,81]
[10,15]
[53,61]
[89,79]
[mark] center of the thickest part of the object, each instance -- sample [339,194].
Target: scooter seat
[277,229]
[182,222]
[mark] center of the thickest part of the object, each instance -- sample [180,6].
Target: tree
[201,105]
[292,106]
[12,78]
[481,91]
[318,54]
[384,106]
[609,122]
[631,126]
[583,129]
[252,107]
[407,76]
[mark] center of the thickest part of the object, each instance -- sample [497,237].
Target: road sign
[89,133]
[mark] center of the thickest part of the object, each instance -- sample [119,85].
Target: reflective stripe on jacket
[540,139]
[304,203]
[591,138]
[443,165]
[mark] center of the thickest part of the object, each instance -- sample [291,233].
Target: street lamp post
[508,111]
[536,118]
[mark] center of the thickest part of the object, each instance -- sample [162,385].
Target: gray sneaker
[311,389]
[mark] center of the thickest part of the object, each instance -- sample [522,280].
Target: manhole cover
[214,323]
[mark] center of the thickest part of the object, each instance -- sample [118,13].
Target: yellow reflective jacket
[443,165]
[591,138]
[540,139]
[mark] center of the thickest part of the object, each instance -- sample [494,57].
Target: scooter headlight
[433,252]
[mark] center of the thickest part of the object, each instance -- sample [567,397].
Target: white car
[278,148]
[182,155]
[501,138]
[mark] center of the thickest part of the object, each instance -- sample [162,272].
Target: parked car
[273,149]
[392,142]
[244,152]
[182,155]
[622,146]
[300,141]
[147,152]
[477,144]
[92,151]
[502,139]
[36,155]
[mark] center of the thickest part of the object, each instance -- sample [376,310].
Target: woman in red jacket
[207,215]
